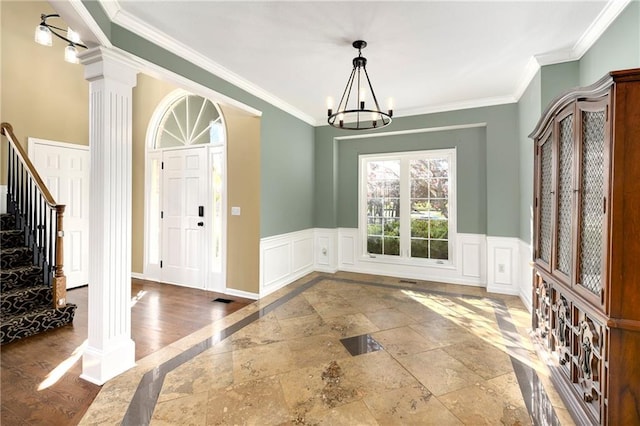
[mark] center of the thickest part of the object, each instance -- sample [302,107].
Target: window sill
[403,261]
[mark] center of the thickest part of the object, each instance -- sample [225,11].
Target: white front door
[183,216]
[64,168]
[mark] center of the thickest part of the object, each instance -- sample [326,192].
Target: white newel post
[110,349]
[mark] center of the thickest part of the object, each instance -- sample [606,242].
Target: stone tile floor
[445,360]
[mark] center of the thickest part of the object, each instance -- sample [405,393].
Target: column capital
[100,63]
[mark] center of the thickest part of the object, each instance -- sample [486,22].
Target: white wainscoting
[285,258]
[469,266]
[326,250]
[500,264]
[503,265]
[526,273]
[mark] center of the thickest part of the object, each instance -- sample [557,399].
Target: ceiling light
[43,35]
[363,113]
[71,54]
[44,32]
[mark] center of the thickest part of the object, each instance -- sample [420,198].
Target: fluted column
[110,349]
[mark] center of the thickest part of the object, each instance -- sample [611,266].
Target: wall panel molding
[285,258]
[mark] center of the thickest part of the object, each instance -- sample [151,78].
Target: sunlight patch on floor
[474,323]
[62,368]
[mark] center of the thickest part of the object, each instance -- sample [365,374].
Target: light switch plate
[235,211]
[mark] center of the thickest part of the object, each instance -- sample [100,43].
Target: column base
[98,366]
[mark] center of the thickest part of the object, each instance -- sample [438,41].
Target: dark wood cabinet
[586,245]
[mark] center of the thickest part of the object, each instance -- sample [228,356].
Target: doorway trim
[150,270]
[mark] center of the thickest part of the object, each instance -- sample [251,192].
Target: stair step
[11,238]
[21,277]
[19,326]
[23,300]
[7,221]
[15,257]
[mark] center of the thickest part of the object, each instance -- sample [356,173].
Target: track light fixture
[44,32]
[356,115]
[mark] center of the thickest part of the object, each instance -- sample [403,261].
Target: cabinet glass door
[545,199]
[564,246]
[593,174]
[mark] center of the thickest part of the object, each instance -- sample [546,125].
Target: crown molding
[434,109]
[530,71]
[607,15]
[141,28]
[454,106]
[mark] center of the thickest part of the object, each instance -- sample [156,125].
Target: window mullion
[405,209]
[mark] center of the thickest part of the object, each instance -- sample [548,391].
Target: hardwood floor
[40,383]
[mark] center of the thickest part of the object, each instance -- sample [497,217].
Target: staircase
[26,302]
[33,289]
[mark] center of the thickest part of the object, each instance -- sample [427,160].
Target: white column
[110,350]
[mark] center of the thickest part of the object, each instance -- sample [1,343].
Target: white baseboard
[285,258]
[526,274]
[138,276]
[242,293]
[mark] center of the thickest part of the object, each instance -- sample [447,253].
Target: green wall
[336,166]
[471,174]
[618,48]
[286,142]
[529,108]
[555,79]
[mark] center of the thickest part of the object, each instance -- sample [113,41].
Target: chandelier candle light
[358,116]
[43,36]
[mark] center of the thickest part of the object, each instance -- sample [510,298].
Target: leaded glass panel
[565,194]
[591,210]
[546,200]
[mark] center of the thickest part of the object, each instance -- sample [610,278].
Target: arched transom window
[190,120]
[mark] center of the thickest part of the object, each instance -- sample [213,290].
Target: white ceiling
[426,55]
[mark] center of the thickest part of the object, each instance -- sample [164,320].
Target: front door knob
[200,223]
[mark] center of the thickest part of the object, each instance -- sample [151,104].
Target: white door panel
[65,170]
[184,190]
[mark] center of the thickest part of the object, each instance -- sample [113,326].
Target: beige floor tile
[482,358]
[332,309]
[389,318]
[480,404]
[506,386]
[402,341]
[308,325]
[261,361]
[375,372]
[310,391]
[351,325]
[417,311]
[207,371]
[266,330]
[439,372]
[189,410]
[256,402]
[443,362]
[443,332]
[353,414]
[316,350]
[413,405]
[296,307]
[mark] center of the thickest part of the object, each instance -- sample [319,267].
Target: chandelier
[358,115]
[44,37]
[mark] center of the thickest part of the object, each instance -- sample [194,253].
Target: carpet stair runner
[26,302]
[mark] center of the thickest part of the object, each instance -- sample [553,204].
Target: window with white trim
[407,206]
[190,120]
